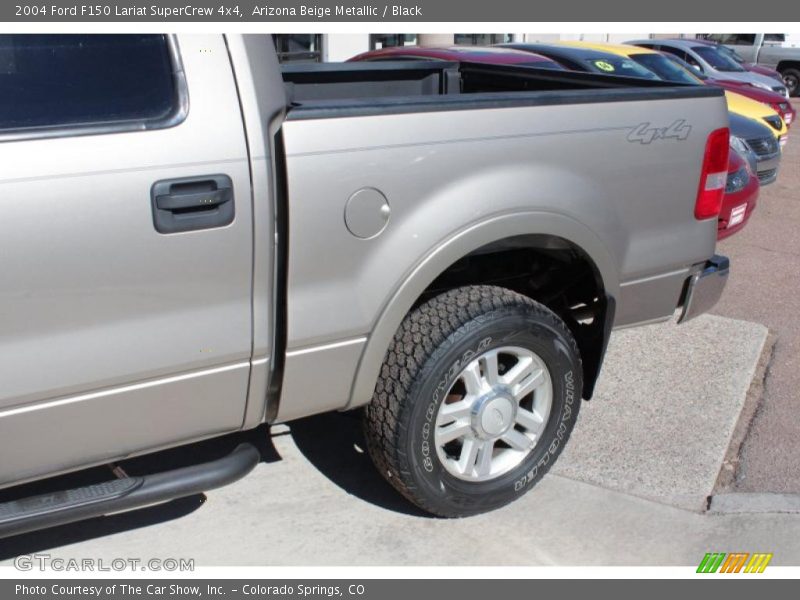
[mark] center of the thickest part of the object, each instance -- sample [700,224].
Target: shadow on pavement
[334,444]
[46,539]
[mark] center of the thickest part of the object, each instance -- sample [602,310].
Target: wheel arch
[463,243]
[788,64]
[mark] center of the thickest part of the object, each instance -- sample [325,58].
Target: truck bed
[391,87]
[518,149]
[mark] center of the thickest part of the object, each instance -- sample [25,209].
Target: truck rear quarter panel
[457,180]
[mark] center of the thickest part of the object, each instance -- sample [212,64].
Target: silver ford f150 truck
[196,242]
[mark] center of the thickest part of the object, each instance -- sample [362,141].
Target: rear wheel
[791,78]
[477,396]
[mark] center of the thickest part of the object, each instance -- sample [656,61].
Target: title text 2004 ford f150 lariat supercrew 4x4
[195,242]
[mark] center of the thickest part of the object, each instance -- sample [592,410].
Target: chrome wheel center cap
[494,415]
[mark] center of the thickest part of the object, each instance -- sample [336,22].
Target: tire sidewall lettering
[432,474]
[566,414]
[437,397]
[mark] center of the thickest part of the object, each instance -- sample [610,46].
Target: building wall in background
[613,38]
[341,46]
[435,39]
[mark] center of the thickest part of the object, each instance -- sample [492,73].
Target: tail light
[713,175]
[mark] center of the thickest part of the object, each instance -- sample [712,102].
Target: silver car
[709,60]
[755,142]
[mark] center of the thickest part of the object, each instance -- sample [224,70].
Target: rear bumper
[704,288]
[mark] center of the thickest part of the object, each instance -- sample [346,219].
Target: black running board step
[62,507]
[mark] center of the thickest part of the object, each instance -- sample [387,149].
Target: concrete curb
[666,409]
[754,503]
[729,470]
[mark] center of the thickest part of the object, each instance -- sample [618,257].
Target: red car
[775,101]
[478,54]
[741,196]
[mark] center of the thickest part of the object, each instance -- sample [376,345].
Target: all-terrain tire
[428,351]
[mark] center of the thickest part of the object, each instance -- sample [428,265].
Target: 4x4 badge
[646,133]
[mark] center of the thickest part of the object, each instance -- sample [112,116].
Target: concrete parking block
[665,408]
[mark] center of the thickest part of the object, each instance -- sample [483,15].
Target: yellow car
[663,66]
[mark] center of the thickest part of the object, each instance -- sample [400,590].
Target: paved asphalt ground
[631,488]
[764,287]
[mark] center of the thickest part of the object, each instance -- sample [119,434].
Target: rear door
[126,232]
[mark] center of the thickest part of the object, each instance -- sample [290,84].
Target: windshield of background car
[665,69]
[686,67]
[618,65]
[731,53]
[717,59]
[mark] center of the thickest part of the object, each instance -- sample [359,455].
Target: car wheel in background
[791,77]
